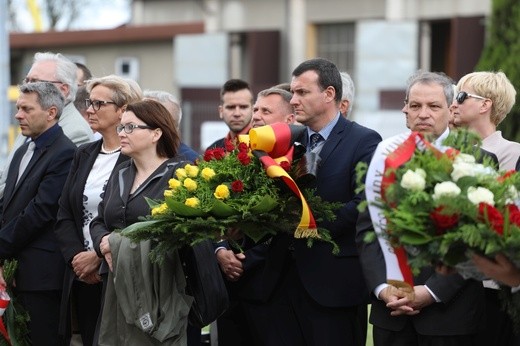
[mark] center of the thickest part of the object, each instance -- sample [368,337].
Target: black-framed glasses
[462,96]
[129,128]
[35,80]
[96,104]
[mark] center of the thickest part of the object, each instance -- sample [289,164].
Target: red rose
[442,221]
[514,214]
[237,186]
[244,158]
[452,153]
[491,215]
[229,145]
[285,165]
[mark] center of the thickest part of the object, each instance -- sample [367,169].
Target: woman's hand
[85,263]
[104,246]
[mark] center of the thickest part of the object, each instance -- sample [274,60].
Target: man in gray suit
[60,71]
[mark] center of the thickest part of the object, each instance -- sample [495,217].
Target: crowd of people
[92,149]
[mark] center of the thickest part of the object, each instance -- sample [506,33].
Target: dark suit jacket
[462,304]
[29,211]
[69,226]
[332,281]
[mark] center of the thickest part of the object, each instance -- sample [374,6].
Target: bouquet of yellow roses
[246,186]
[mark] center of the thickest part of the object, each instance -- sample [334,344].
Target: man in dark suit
[235,109]
[446,309]
[313,297]
[29,207]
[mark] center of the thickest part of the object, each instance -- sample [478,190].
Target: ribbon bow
[274,144]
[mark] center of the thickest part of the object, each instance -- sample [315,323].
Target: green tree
[501,53]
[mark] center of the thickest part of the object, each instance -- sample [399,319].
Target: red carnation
[285,165]
[442,221]
[237,186]
[219,153]
[492,216]
[208,155]
[514,214]
[244,158]
[506,175]
[242,147]
[229,145]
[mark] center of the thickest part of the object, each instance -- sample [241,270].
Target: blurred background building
[191,47]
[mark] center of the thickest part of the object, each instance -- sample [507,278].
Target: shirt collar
[44,137]
[326,130]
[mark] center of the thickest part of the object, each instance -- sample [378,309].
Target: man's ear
[330,94]
[52,113]
[65,89]
[220,109]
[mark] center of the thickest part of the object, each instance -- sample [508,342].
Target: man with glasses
[446,310]
[483,102]
[60,71]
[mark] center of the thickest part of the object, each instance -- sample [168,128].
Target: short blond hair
[494,86]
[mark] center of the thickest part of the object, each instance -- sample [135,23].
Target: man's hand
[230,263]
[398,300]
[423,298]
[501,269]
[85,263]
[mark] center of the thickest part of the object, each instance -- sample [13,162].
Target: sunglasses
[462,96]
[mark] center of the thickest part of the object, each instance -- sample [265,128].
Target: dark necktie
[316,138]
[25,159]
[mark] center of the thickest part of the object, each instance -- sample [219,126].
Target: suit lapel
[333,140]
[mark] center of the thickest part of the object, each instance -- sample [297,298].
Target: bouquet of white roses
[441,204]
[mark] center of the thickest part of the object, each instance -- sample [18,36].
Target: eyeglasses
[462,96]
[129,128]
[96,104]
[35,80]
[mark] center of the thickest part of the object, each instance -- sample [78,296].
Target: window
[128,67]
[336,43]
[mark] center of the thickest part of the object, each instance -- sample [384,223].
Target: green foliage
[501,54]
[15,318]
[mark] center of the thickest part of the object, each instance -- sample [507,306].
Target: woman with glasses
[136,311]
[92,165]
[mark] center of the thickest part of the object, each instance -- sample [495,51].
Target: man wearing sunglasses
[483,102]
[60,71]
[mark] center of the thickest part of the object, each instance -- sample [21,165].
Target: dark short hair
[234,85]
[328,74]
[48,95]
[154,114]
[87,75]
